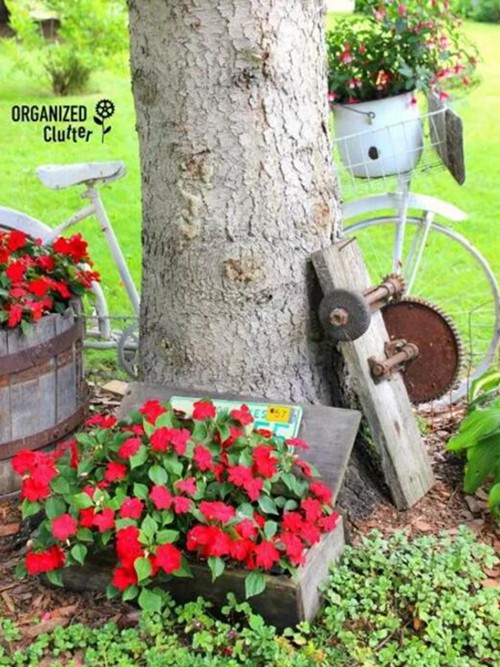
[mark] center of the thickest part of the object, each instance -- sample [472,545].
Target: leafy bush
[395,602]
[90,33]
[479,438]
[487,11]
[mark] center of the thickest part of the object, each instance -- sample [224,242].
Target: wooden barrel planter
[42,390]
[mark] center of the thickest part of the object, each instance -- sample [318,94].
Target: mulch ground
[445,507]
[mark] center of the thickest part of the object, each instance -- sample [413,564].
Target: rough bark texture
[237,192]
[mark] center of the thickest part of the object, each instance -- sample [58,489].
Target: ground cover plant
[163,488]
[390,601]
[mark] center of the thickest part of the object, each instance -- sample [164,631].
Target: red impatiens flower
[246,528]
[310,533]
[16,240]
[328,523]
[15,315]
[101,421]
[305,467]
[312,508]
[179,439]
[292,521]
[63,526]
[321,491]
[217,511]
[129,448]
[161,439]
[15,271]
[297,443]
[23,461]
[241,549]
[266,555]
[104,520]
[242,415]
[161,497]
[75,247]
[168,557]
[128,547]
[187,485]
[208,541]
[44,561]
[203,410]
[115,471]
[131,508]
[181,504]
[42,471]
[123,577]
[294,547]
[243,476]
[86,517]
[151,410]
[202,457]
[265,463]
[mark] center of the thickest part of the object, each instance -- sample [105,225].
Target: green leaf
[59,485]
[255,583]
[84,439]
[270,529]
[167,536]
[81,501]
[139,457]
[141,491]
[245,509]
[494,497]
[475,427]
[290,505]
[142,567]
[164,419]
[79,551]
[150,601]
[216,566]
[29,509]
[267,505]
[158,475]
[184,571]
[149,429]
[84,535]
[149,527]
[224,431]
[55,577]
[483,460]
[172,464]
[130,593]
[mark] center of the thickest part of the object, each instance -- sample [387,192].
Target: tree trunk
[238,192]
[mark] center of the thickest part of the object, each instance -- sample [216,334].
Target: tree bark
[238,192]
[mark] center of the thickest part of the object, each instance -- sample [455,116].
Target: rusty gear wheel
[437,368]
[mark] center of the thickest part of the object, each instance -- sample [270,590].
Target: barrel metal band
[41,353]
[50,435]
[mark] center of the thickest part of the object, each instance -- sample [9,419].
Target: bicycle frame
[96,207]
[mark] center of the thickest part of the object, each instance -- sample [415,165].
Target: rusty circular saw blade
[436,370]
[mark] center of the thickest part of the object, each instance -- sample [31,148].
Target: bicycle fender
[391,201]
[24,223]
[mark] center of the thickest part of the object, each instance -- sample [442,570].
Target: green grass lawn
[22,149]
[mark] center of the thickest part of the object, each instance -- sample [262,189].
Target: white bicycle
[412,235]
[99,331]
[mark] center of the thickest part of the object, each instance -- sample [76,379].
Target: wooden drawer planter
[42,390]
[284,602]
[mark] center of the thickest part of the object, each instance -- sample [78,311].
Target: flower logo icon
[104,109]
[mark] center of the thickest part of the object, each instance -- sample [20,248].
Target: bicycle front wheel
[452,275]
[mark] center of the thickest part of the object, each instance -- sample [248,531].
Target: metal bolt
[339,317]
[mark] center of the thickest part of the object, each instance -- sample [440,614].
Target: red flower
[208,541]
[115,471]
[321,491]
[161,439]
[168,558]
[217,511]
[310,533]
[15,315]
[105,520]
[40,286]
[129,448]
[151,410]
[161,497]
[16,271]
[292,521]
[264,462]
[86,517]
[266,555]
[297,443]
[312,508]
[240,549]
[235,433]
[294,547]
[23,461]
[203,410]
[74,247]
[44,561]
[306,468]
[239,475]
[187,485]
[131,508]
[16,240]
[45,262]
[72,446]
[264,432]
[63,526]
[124,577]
[246,528]
[202,457]
[328,523]
[253,488]
[242,415]
[179,440]
[128,547]
[182,505]
[102,421]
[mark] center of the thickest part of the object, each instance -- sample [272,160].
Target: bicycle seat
[58,176]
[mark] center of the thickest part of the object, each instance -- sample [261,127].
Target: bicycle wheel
[452,275]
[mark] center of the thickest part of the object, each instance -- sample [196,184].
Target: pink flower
[182,505]
[187,485]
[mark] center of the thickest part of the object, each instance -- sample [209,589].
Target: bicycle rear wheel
[452,275]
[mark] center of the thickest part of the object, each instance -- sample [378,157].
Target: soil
[445,507]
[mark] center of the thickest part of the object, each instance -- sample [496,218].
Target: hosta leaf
[483,460]
[494,497]
[475,426]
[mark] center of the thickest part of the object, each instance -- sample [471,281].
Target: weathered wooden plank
[386,406]
[285,601]
[330,432]
[66,387]
[5,425]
